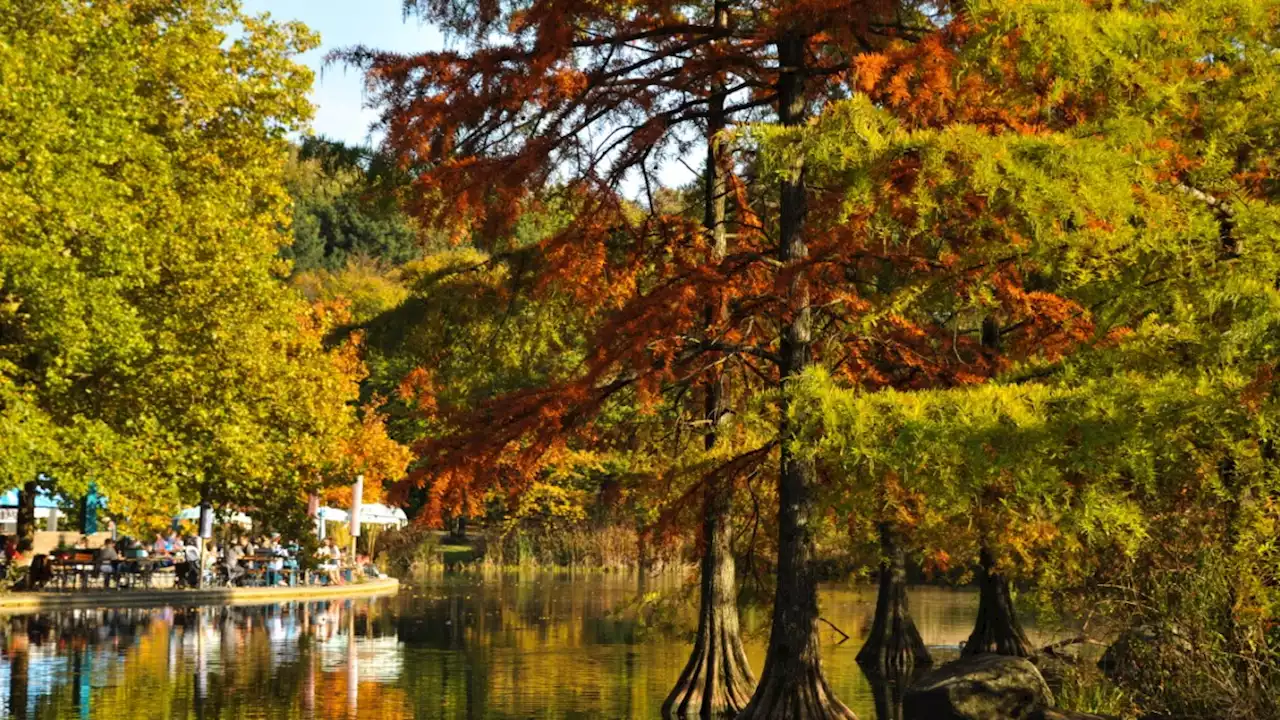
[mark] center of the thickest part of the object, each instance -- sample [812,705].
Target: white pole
[357,497]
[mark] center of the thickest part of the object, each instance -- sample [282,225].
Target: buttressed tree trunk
[895,645]
[717,680]
[792,686]
[997,629]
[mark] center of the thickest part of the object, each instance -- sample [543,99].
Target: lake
[529,645]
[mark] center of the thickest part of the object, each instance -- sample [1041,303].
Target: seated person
[364,564]
[330,562]
[160,550]
[107,560]
[40,574]
[231,555]
[133,550]
[19,566]
[187,568]
[275,565]
[22,553]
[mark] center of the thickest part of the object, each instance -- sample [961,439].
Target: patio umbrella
[329,514]
[379,514]
[192,514]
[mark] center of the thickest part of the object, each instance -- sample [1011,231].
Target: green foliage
[344,210]
[1132,471]
[368,289]
[147,341]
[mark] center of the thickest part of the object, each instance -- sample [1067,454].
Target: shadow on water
[461,648]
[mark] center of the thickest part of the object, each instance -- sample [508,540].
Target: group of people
[114,557]
[267,560]
[238,556]
[330,561]
[183,554]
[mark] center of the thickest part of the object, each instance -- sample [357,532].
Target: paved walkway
[31,602]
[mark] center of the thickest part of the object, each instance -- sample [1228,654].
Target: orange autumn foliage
[522,113]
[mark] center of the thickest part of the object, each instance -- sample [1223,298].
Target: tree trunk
[792,686]
[26,529]
[997,629]
[895,645]
[642,564]
[717,680]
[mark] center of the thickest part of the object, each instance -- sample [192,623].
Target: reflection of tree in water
[888,690]
[476,648]
[216,662]
[42,648]
[511,610]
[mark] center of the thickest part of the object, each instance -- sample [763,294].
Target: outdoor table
[135,569]
[256,568]
[66,566]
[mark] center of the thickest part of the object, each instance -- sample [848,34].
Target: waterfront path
[37,601]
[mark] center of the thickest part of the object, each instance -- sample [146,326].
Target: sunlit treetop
[584,95]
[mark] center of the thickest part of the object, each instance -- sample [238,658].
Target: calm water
[529,646]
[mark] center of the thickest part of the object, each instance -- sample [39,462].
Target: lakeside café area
[202,548]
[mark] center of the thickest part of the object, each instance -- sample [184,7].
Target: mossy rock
[982,687]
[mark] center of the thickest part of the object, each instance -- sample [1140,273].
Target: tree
[147,327]
[638,76]
[482,129]
[1147,261]
[1162,87]
[717,679]
[344,209]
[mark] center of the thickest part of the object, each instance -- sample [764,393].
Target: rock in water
[1145,651]
[982,687]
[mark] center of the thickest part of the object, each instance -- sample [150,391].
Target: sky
[339,92]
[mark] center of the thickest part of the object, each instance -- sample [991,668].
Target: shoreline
[17,603]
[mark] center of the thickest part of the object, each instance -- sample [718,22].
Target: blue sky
[338,92]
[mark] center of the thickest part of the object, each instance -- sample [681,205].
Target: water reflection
[507,647]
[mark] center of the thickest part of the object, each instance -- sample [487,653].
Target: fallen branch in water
[833,627]
[1053,648]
